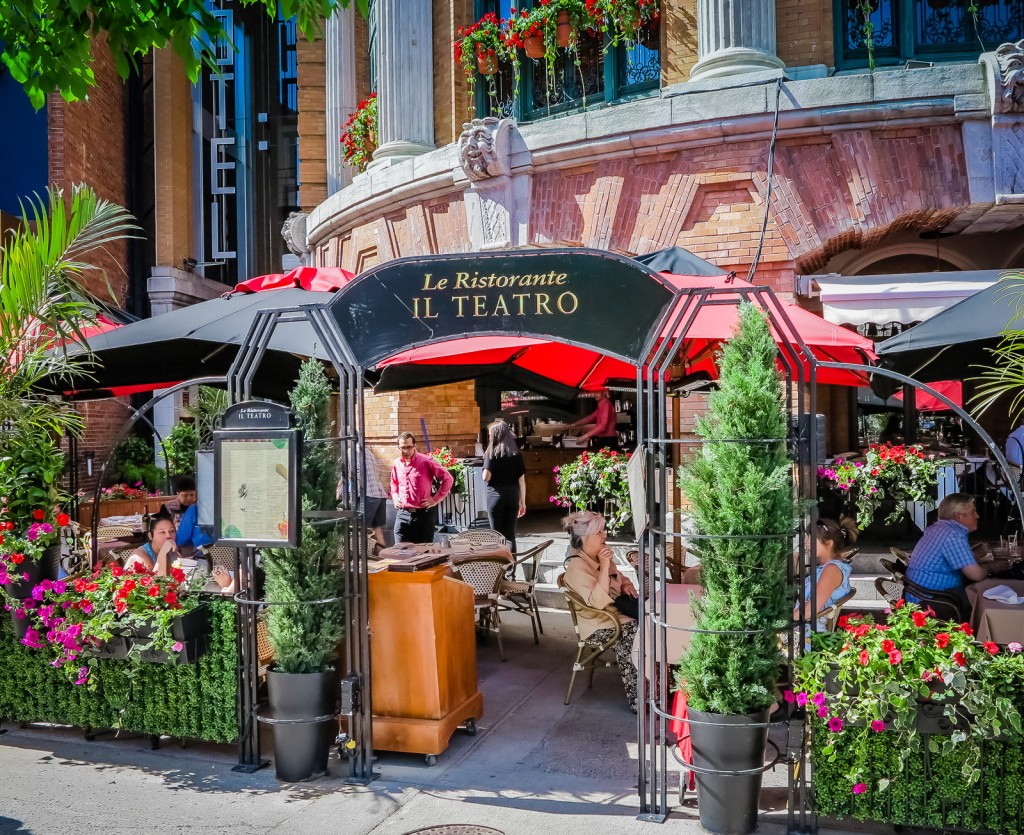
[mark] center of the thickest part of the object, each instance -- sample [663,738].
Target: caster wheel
[430,759]
[471,728]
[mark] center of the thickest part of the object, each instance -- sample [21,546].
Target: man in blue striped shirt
[943,558]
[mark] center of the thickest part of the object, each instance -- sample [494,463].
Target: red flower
[965,628]
[920,618]
[895,656]
[991,647]
[62,520]
[170,598]
[154,591]
[942,640]
[843,621]
[116,570]
[17,559]
[178,575]
[38,515]
[900,603]
[120,607]
[865,658]
[888,646]
[959,658]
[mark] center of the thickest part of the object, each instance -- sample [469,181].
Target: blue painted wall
[23,143]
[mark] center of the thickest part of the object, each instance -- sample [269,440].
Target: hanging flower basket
[487,64]
[533,46]
[564,30]
[359,136]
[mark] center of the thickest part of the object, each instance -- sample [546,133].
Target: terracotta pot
[533,46]
[564,29]
[487,64]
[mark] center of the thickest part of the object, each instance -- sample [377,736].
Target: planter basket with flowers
[481,48]
[626,21]
[596,481]
[547,27]
[900,473]
[446,459]
[881,696]
[359,135]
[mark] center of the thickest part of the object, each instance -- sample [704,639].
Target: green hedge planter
[194,701]
[930,791]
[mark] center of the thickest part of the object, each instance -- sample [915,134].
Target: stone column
[341,91]
[735,37]
[405,80]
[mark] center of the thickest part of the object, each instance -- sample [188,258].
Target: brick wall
[678,40]
[803,32]
[87,145]
[312,80]
[451,413]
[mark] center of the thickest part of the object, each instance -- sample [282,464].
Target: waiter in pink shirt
[602,420]
[412,491]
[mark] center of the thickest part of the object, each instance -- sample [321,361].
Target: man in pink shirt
[603,429]
[412,491]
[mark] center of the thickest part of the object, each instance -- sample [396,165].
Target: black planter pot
[191,625]
[116,647]
[728,803]
[192,650]
[22,588]
[20,625]
[49,562]
[301,747]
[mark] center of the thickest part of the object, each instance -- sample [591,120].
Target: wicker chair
[264,651]
[221,555]
[589,651]
[895,567]
[480,537]
[520,595]
[485,575]
[108,533]
[830,614]
[890,588]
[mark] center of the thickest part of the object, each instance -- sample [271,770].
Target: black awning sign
[578,296]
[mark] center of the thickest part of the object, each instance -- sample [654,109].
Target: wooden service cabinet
[540,476]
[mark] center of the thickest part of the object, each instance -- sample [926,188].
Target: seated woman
[590,571]
[833,573]
[159,551]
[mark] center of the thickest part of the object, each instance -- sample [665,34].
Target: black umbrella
[202,340]
[679,261]
[950,345]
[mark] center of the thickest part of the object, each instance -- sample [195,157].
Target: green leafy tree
[47,44]
[42,307]
[740,488]
[305,637]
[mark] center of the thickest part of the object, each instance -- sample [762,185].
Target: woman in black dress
[505,475]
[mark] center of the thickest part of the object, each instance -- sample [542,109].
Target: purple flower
[818,699]
[1014,647]
[835,724]
[878,726]
[83,675]
[177,646]
[822,712]
[789,696]
[801,698]
[859,788]
[60,587]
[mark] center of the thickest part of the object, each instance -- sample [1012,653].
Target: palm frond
[1005,376]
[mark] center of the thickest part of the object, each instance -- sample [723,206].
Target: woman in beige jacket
[590,572]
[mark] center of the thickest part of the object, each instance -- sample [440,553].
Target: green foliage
[133,463]
[196,701]
[744,514]
[47,44]
[180,447]
[43,307]
[596,481]
[204,408]
[305,637]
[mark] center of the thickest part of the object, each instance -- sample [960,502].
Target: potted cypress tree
[305,634]
[740,488]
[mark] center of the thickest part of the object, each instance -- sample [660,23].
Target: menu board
[256,488]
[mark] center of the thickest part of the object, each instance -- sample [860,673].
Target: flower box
[191,625]
[121,507]
[115,647]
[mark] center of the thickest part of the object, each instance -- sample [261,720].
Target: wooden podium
[423,656]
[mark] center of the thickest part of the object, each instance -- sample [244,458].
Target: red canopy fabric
[953,389]
[323,279]
[584,368]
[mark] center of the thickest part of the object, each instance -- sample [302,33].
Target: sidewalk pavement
[536,765]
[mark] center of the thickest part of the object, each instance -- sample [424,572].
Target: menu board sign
[256,488]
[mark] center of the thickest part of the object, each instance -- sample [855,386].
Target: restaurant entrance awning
[904,298]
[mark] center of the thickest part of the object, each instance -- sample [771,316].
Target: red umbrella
[953,389]
[321,279]
[579,367]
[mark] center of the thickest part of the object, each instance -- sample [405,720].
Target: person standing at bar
[505,475]
[412,491]
[603,418]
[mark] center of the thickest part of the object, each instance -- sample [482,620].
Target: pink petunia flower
[878,726]
[859,788]
[835,724]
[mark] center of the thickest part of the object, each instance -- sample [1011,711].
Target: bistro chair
[221,555]
[480,537]
[945,606]
[485,575]
[890,589]
[589,651]
[849,554]
[264,651]
[830,614]
[108,533]
[517,595]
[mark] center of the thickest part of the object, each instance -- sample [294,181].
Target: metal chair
[849,554]
[589,651]
[900,554]
[480,537]
[830,614]
[485,575]
[221,555]
[520,595]
[945,606]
